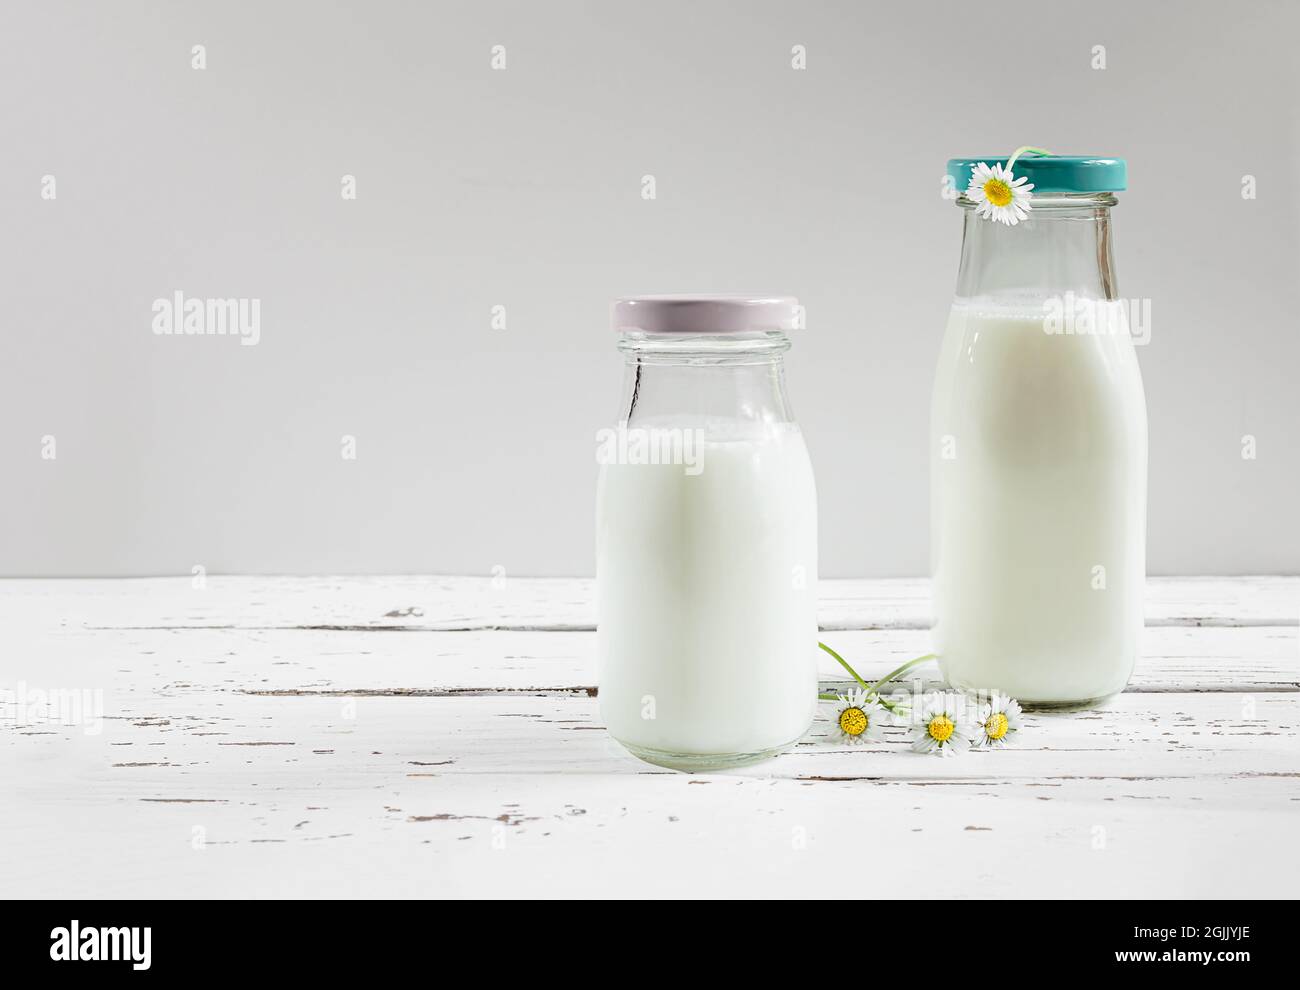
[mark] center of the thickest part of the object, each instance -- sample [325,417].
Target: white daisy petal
[1017,191]
[992,732]
[941,728]
[858,717]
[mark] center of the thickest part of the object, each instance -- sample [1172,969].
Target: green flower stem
[1027,149]
[874,689]
[895,674]
[845,664]
[891,706]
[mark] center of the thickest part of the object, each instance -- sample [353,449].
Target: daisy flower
[999,195]
[859,717]
[942,727]
[999,720]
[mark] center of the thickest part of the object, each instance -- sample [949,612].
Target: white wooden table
[440,736]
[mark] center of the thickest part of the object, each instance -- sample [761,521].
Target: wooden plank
[1209,735]
[321,738]
[523,796]
[468,603]
[171,661]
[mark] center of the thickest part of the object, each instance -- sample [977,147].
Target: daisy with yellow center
[943,722]
[942,727]
[999,721]
[859,718]
[998,195]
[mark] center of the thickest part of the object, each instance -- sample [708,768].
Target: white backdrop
[128,174]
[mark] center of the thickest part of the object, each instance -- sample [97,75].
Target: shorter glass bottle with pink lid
[706,537]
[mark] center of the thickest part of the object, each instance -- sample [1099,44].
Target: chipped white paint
[461,603]
[277,736]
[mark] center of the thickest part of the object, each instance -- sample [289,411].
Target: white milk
[1038,506]
[706,599]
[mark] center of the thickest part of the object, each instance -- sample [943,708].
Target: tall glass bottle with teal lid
[706,537]
[1039,440]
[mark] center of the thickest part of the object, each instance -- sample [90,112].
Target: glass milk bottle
[1039,449]
[706,537]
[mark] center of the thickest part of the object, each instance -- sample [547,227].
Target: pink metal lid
[705,314]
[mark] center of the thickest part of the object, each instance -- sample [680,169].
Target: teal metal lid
[1052,173]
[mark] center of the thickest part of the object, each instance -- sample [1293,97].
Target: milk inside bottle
[1039,450]
[706,538]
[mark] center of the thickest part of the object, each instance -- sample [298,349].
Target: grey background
[522,188]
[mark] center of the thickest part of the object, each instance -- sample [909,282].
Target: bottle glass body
[706,555]
[1039,462]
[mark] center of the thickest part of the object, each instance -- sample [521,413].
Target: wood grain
[291,737]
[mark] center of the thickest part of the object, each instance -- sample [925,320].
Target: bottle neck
[1063,246]
[728,379]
